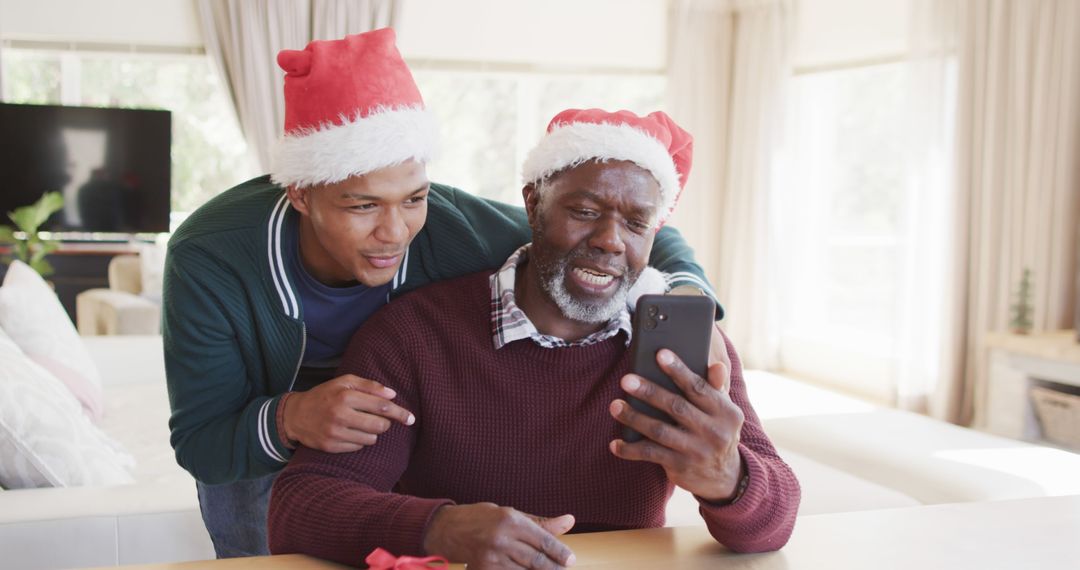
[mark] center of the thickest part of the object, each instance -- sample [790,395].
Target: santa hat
[351,107]
[653,142]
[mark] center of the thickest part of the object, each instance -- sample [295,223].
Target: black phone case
[682,324]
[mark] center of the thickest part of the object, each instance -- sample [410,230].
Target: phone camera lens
[653,310]
[650,324]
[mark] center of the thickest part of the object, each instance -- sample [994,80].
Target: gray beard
[553,281]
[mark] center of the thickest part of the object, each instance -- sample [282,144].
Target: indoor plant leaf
[49,246]
[29,218]
[32,249]
[43,267]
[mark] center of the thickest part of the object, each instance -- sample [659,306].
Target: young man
[267,282]
[517,381]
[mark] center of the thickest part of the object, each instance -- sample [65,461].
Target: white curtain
[1015,181]
[921,355]
[728,64]
[244,37]
[333,19]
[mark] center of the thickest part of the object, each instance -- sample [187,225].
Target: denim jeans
[235,516]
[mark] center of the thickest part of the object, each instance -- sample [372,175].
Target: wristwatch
[685,289]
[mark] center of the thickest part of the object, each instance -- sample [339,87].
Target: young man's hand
[485,535]
[700,453]
[343,414]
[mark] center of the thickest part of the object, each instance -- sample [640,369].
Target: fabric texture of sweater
[523,426]
[233,323]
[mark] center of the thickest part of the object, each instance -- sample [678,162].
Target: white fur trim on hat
[333,153]
[571,144]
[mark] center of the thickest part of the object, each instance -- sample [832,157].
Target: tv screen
[111,165]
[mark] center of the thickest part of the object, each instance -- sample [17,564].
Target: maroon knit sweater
[524,426]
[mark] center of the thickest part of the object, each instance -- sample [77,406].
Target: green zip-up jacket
[233,324]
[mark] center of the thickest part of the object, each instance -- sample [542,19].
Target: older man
[514,378]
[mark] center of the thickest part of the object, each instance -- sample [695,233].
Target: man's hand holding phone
[699,452]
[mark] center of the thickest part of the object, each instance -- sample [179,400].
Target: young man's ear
[532,199]
[300,199]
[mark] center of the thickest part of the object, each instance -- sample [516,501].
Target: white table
[1041,533]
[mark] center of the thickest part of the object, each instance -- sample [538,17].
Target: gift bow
[380,559]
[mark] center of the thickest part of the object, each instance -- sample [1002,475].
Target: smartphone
[680,323]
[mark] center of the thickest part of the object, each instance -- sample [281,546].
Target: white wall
[575,33]
[143,22]
[585,33]
[838,32]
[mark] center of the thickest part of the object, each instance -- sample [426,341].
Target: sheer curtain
[333,19]
[1014,184]
[922,359]
[728,63]
[244,36]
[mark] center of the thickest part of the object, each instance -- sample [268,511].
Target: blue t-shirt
[331,314]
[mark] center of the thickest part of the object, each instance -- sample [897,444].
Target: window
[852,226]
[490,120]
[209,154]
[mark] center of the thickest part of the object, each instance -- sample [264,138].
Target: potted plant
[29,247]
[1022,310]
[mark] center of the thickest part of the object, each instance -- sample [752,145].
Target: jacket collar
[275,228]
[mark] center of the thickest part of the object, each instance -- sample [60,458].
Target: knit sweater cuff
[408,525]
[762,518]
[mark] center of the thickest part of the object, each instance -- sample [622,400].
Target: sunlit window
[850,156]
[845,226]
[490,120]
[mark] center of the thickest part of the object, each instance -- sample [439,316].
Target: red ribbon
[380,559]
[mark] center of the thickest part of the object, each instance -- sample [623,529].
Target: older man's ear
[531,194]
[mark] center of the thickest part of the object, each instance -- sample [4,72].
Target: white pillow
[45,439]
[34,318]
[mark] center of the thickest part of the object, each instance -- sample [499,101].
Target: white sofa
[930,461]
[154,520]
[848,455]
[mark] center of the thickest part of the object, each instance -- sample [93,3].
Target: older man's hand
[700,453]
[485,535]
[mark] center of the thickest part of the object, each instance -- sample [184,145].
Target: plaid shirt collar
[509,323]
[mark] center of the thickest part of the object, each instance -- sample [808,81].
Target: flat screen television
[111,165]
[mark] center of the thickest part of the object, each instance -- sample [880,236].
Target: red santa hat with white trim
[351,107]
[653,142]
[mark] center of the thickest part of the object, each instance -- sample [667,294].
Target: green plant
[1022,309]
[29,247]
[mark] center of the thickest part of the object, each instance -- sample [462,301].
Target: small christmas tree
[1022,310]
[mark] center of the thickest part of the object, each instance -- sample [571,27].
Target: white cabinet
[1016,363]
